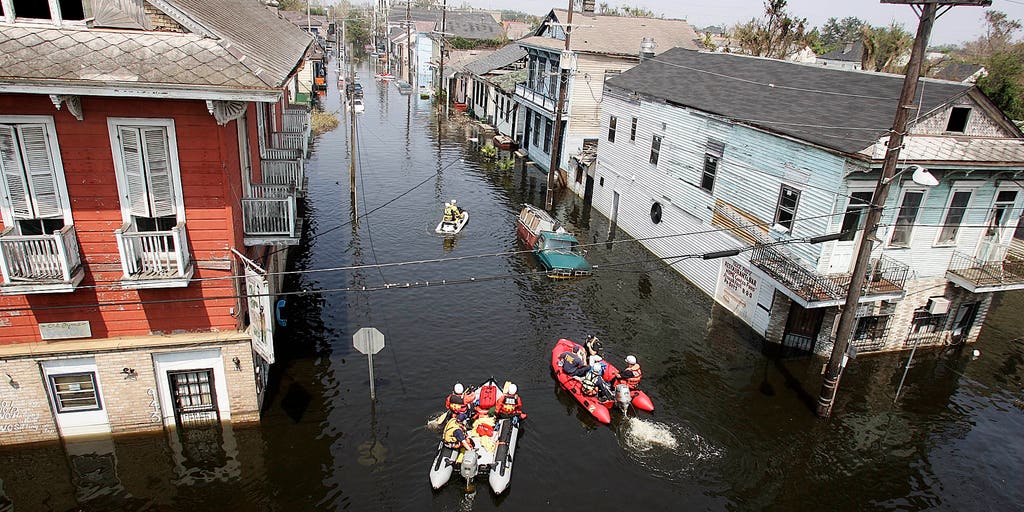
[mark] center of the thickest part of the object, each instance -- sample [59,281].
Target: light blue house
[703,152]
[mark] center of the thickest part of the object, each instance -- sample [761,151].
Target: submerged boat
[599,409]
[452,228]
[494,440]
[557,250]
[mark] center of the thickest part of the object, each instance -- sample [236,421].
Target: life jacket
[590,383]
[487,399]
[449,214]
[635,379]
[448,438]
[456,403]
[510,404]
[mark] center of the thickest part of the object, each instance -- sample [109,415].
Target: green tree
[1004,84]
[775,34]
[836,32]
[885,48]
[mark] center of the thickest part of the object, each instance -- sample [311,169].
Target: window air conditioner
[938,306]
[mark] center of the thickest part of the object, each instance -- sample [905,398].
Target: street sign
[368,340]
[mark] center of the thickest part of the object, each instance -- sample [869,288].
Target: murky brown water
[733,428]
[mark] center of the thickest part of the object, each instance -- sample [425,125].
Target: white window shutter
[158,168]
[135,181]
[14,176]
[41,180]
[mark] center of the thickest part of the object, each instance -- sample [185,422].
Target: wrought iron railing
[884,276]
[34,258]
[1008,270]
[270,211]
[153,254]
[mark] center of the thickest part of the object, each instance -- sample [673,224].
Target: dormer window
[958,117]
[40,11]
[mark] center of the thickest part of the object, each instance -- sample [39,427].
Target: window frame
[612,127]
[632,131]
[944,225]
[967,118]
[9,14]
[656,141]
[913,224]
[53,146]
[713,174]
[55,394]
[114,124]
[779,209]
[549,135]
[861,214]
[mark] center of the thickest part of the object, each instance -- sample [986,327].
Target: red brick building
[151,165]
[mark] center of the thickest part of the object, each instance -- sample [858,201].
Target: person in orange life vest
[631,374]
[511,405]
[594,385]
[455,435]
[457,401]
[573,364]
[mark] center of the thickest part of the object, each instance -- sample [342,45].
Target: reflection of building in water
[205,453]
[131,207]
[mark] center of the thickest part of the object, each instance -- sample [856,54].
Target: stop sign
[368,340]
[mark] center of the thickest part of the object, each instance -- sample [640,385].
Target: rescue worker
[456,211]
[511,405]
[631,374]
[455,435]
[449,213]
[594,346]
[457,401]
[572,364]
[594,384]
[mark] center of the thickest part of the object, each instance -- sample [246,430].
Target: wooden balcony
[40,263]
[290,140]
[296,120]
[154,259]
[994,275]
[885,279]
[540,100]
[270,216]
[288,173]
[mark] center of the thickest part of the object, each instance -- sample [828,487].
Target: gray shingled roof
[843,110]
[618,35]
[847,52]
[472,25]
[252,49]
[505,56]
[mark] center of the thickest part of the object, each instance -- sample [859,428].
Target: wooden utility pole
[408,42]
[927,11]
[556,144]
[440,72]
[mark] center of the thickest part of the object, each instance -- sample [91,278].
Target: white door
[199,374]
[75,396]
[995,239]
[853,222]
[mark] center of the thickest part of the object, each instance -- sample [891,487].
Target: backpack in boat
[488,396]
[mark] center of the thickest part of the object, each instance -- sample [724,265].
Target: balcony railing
[40,263]
[885,277]
[154,259]
[283,172]
[289,140]
[539,99]
[269,215]
[978,275]
[296,120]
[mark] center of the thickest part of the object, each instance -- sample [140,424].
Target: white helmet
[448,204]
[512,389]
[458,389]
[453,201]
[597,368]
[630,360]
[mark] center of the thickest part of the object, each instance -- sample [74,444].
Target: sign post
[369,341]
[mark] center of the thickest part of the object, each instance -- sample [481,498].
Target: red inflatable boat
[600,409]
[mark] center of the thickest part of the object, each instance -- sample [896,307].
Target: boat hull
[452,228]
[599,409]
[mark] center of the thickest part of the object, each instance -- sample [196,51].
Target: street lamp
[920,175]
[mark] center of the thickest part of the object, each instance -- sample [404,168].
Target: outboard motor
[623,397]
[469,467]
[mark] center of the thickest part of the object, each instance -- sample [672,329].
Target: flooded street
[733,427]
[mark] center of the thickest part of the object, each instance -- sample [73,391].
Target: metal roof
[505,56]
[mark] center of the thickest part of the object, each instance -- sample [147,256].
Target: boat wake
[671,450]
[646,435]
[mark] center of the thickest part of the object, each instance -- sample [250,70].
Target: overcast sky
[959,24]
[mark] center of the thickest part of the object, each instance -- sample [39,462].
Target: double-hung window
[548,127]
[35,199]
[906,217]
[632,131]
[655,149]
[856,209]
[712,155]
[785,211]
[611,128]
[145,154]
[955,212]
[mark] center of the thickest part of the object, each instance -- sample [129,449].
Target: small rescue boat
[599,409]
[495,446]
[452,228]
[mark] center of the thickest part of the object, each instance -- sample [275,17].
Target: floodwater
[733,427]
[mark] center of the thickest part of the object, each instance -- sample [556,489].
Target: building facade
[762,157]
[149,195]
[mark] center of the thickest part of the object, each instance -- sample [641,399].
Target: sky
[961,23]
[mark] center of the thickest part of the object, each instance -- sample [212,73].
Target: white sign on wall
[65,330]
[261,321]
[737,289]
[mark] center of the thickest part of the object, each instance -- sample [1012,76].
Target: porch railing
[539,99]
[884,276]
[153,254]
[289,140]
[33,258]
[270,211]
[296,120]
[282,172]
[1005,271]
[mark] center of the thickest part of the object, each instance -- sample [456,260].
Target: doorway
[802,327]
[588,190]
[195,399]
